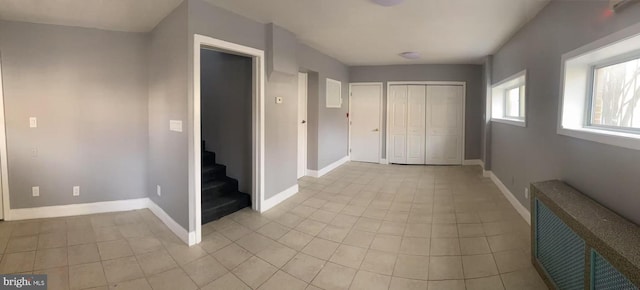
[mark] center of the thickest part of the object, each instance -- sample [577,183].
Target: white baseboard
[177,229]
[75,209]
[473,162]
[384,161]
[523,211]
[101,207]
[328,168]
[278,198]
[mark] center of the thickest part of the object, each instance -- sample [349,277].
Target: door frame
[258,129]
[4,176]
[304,138]
[433,83]
[381,86]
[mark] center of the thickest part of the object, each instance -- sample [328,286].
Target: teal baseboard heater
[578,244]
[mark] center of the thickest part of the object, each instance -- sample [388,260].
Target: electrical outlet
[526,192]
[159,190]
[35,191]
[34,151]
[76,190]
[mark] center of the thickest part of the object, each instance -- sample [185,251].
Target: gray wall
[280,119]
[226,82]
[331,124]
[471,74]
[523,155]
[168,150]
[88,90]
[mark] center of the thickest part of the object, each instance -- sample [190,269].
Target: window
[508,99]
[616,95]
[600,92]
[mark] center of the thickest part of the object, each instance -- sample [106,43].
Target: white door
[397,99]
[444,124]
[415,124]
[3,149]
[302,124]
[364,119]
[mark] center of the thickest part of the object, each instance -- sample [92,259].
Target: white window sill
[620,139]
[513,122]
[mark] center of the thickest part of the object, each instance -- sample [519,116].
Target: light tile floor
[362,226]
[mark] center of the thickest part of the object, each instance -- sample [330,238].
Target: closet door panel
[397,98]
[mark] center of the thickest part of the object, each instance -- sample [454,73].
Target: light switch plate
[159,190]
[76,190]
[33,122]
[35,191]
[175,125]
[279,100]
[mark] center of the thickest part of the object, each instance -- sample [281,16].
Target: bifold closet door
[415,124]
[397,99]
[444,124]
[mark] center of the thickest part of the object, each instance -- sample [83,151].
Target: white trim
[258,129]
[381,85]
[510,122]
[473,162]
[279,197]
[188,237]
[384,161]
[523,211]
[75,209]
[4,167]
[433,83]
[328,168]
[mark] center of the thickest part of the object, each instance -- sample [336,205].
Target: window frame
[577,82]
[521,99]
[591,91]
[500,91]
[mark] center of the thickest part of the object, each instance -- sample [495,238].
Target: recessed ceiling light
[387,3]
[410,55]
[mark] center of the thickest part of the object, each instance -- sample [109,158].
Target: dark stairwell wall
[226,83]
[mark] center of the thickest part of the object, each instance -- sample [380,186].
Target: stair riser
[211,176]
[208,160]
[228,187]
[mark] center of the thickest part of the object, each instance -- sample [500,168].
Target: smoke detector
[410,55]
[387,3]
[617,5]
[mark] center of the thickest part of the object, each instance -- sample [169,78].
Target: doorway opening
[225,110]
[255,114]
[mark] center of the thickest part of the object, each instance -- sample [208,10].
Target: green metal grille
[559,250]
[605,277]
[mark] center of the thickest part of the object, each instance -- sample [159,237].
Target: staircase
[220,195]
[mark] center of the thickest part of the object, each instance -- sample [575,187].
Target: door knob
[376,130]
[303,121]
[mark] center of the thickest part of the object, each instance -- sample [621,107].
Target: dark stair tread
[218,183]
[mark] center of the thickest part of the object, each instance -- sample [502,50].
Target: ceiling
[356,32]
[119,15]
[359,32]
